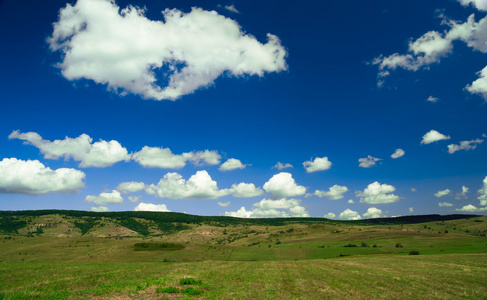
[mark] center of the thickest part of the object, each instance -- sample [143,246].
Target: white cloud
[134,199]
[411,209]
[130,187]
[246,190]
[464,145]
[318,164]
[427,49]
[99,209]
[471,208]
[198,186]
[368,161]
[463,194]
[281,166]
[350,201]
[129,53]
[444,204]
[151,207]
[98,154]
[281,208]
[232,8]
[442,193]
[232,164]
[373,213]
[432,46]
[479,4]
[433,136]
[224,204]
[479,86]
[283,185]
[33,178]
[154,157]
[105,198]
[398,153]
[241,213]
[483,193]
[377,193]
[432,99]
[349,214]
[329,216]
[334,193]
[413,190]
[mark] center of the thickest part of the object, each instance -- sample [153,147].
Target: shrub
[186,281]
[350,245]
[168,290]
[413,252]
[192,291]
[165,246]
[364,244]
[399,245]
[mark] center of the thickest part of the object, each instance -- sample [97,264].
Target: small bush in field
[413,252]
[187,281]
[398,245]
[168,290]
[192,291]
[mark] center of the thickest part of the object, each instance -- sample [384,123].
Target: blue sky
[342,109]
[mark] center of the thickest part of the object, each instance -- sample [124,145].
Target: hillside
[78,236]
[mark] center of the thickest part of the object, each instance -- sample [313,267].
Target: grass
[204,261]
[451,276]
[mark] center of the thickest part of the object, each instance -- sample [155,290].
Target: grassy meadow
[321,259]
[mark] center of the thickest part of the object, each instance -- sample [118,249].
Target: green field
[54,256]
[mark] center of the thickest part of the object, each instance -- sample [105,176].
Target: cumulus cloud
[471,208]
[246,190]
[411,209]
[198,186]
[334,193]
[432,99]
[134,199]
[224,204]
[281,166]
[350,201]
[130,187]
[433,45]
[283,185]
[398,153]
[151,207]
[99,209]
[31,177]
[373,213]
[232,8]
[318,164]
[445,204]
[479,4]
[368,162]
[433,136]
[232,164]
[377,193]
[98,154]
[266,208]
[463,194]
[483,193]
[330,216]
[464,145]
[130,53]
[155,157]
[105,198]
[442,193]
[349,214]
